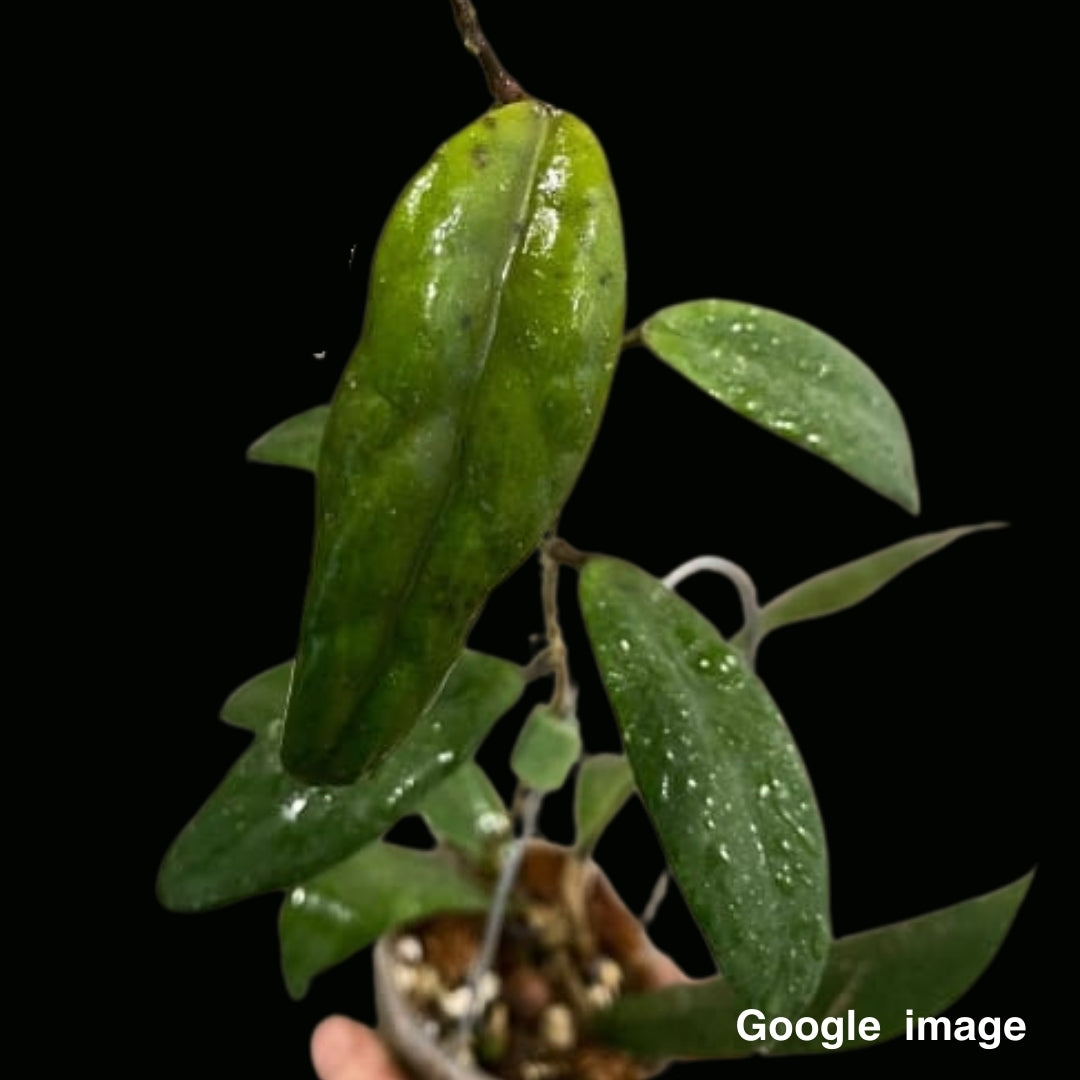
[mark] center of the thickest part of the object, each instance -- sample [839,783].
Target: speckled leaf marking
[722,781]
[794,381]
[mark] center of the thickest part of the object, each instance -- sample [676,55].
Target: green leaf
[294,442]
[923,964]
[692,1021]
[461,422]
[795,381]
[466,812]
[546,750]
[604,783]
[262,829]
[845,586]
[258,702]
[722,781]
[343,910]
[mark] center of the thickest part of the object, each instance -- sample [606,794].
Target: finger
[342,1049]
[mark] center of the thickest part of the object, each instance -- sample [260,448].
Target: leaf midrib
[423,550]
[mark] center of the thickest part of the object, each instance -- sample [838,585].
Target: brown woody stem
[503,86]
[564,697]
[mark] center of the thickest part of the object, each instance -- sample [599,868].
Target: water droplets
[291,810]
[493,823]
[399,791]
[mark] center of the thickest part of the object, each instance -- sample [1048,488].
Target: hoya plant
[494,326]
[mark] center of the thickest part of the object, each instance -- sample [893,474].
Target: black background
[856,175]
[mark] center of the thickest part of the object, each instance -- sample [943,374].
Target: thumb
[342,1049]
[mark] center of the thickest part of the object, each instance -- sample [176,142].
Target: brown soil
[568,950]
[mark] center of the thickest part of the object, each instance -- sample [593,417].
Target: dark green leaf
[258,702]
[722,781]
[847,585]
[466,812]
[294,442]
[343,910]
[262,829]
[795,381]
[604,783]
[923,964]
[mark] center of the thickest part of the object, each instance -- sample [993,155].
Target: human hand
[342,1049]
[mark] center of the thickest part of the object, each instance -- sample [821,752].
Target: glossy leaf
[847,585]
[262,829]
[460,424]
[795,381]
[923,964]
[604,783]
[294,442]
[466,812]
[343,910]
[256,703]
[722,781]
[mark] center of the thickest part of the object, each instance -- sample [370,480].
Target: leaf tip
[172,889]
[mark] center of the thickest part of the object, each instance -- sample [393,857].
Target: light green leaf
[546,750]
[262,829]
[923,964]
[256,703]
[466,812]
[343,910]
[794,381]
[722,781]
[847,585]
[294,442]
[604,783]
